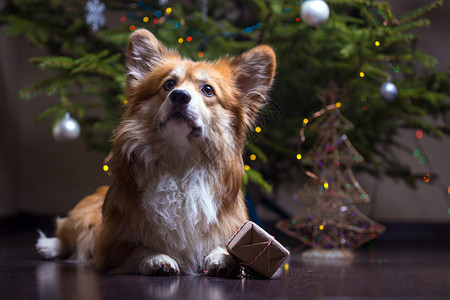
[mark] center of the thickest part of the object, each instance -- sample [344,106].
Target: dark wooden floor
[392,269]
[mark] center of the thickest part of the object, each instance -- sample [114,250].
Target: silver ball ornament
[66,129]
[388,91]
[314,12]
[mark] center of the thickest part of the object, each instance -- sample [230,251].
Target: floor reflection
[62,280]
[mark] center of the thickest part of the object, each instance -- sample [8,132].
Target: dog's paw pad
[48,248]
[220,263]
[159,264]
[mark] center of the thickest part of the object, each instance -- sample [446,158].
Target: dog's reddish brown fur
[113,224]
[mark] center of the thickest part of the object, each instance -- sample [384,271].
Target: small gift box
[257,249]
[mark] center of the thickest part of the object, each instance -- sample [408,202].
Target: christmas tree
[332,221]
[362,47]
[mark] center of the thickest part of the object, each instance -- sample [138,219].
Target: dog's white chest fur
[181,208]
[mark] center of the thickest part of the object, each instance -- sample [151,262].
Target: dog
[176,169]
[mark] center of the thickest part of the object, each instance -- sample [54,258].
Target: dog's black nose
[180,97]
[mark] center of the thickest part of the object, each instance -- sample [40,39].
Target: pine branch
[53,62]
[411,25]
[256,177]
[413,15]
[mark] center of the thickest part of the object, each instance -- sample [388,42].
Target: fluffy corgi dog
[176,168]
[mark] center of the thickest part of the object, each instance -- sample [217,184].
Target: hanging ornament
[388,91]
[66,129]
[95,14]
[314,12]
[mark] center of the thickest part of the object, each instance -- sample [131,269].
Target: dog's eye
[207,90]
[170,84]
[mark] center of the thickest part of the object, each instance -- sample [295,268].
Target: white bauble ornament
[66,129]
[314,12]
[388,91]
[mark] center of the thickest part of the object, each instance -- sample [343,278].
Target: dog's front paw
[220,263]
[158,264]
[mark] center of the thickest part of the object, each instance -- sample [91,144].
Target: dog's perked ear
[254,74]
[144,52]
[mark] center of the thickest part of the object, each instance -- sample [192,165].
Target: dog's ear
[144,52]
[255,71]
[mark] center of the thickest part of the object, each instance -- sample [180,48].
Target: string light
[125,101]
[419,134]
[422,160]
[305,121]
[299,156]
[123,19]
[427,177]
[253,157]
[189,39]
[132,27]
[180,40]
[361,74]
[145,19]
[105,168]
[168,10]
[338,104]
[155,21]
[377,43]
[247,168]
[321,227]
[258,129]
[200,54]
[286,266]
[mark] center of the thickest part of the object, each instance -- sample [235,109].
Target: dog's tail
[49,248]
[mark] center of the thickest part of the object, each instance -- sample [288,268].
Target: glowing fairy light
[246,167]
[132,28]
[168,10]
[145,19]
[253,157]
[305,121]
[361,74]
[299,156]
[105,168]
[338,104]
[258,129]
[321,227]
[419,134]
[200,54]
[377,43]
[180,40]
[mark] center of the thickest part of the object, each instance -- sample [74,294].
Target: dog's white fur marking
[182,208]
[48,248]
